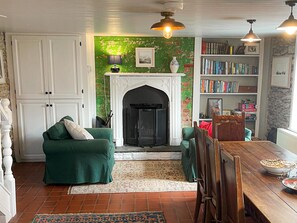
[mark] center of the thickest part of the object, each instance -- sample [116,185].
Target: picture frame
[251,48]
[214,105]
[145,57]
[281,70]
[2,72]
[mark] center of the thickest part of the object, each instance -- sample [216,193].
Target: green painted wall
[165,49]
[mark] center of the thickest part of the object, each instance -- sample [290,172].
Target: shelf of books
[230,72]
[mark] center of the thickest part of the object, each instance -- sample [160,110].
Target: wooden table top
[266,192]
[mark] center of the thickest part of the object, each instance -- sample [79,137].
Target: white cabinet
[231,77]
[47,65]
[35,117]
[48,86]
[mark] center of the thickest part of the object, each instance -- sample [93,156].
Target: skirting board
[287,139]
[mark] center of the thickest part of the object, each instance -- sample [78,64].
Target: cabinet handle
[51,105]
[46,92]
[50,92]
[47,105]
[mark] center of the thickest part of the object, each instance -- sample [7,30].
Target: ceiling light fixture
[251,36]
[290,24]
[167,25]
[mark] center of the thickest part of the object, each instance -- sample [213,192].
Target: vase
[174,65]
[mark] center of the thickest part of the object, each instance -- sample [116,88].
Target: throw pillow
[76,131]
[66,117]
[207,126]
[58,131]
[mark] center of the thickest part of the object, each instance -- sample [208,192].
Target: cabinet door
[61,108]
[33,119]
[64,67]
[29,66]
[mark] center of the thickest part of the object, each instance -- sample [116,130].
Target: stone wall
[279,99]
[4,88]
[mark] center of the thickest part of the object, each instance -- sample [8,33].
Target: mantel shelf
[146,74]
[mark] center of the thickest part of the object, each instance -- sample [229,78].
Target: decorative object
[141,176]
[167,25]
[174,65]
[145,57]
[2,73]
[281,68]
[147,216]
[115,59]
[277,166]
[240,50]
[251,36]
[227,112]
[290,24]
[214,105]
[252,48]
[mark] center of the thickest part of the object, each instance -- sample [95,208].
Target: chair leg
[198,204]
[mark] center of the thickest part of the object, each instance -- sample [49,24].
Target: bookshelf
[235,78]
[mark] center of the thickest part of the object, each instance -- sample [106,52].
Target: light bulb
[167,32]
[291,30]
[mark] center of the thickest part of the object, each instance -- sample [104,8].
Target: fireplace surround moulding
[169,83]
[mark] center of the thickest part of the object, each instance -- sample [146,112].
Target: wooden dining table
[266,198]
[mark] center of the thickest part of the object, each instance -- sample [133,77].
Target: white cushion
[76,131]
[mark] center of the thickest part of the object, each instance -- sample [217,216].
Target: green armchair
[188,149]
[70,161]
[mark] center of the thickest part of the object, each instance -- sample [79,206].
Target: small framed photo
[252,48]
[281,69]
[214,105]
[145,57]
[227,112]
[2,73]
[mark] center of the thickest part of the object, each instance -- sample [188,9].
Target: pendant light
[289,25]
[167,25]
[251,36]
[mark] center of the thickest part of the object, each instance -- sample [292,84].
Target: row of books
[226,67]
[214,48]
[218,86]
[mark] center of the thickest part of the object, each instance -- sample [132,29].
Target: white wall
[287,139]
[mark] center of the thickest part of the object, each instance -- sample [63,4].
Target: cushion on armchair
[76,131]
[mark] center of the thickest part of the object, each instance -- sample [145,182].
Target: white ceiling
[206,18]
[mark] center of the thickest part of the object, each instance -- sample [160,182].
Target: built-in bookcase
[223,70]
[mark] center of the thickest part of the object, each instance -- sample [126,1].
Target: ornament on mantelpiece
[174,65]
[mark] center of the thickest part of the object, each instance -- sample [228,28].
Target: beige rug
[141,176]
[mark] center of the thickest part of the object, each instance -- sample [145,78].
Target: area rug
[148,217]
[141,176]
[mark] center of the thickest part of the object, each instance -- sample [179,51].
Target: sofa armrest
[188,133]
[101,133]
[71,146]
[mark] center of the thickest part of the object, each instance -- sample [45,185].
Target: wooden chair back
[228,127]
[213,185]
[200,137]
[231,187]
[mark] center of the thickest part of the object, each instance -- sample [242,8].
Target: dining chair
[200,137]
[231,187]
[213,210]
[228,127]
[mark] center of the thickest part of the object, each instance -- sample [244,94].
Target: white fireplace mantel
[169,83]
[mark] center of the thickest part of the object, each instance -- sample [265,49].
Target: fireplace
[167,83]
[145,117]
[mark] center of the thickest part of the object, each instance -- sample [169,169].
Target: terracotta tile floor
[33,196]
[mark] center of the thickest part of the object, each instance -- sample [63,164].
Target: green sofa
[70,161]
[188,149]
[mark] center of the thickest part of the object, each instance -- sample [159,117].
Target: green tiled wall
[165,49]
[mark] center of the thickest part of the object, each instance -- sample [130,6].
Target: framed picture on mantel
[145,57]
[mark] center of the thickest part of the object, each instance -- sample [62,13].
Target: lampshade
[114,59]
[290,24]
[167,25]
[251,36]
